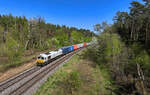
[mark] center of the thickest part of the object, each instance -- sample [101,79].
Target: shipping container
[80,45]
[71,48]
[75,47]
[67,49]
[87,44]
[84,44]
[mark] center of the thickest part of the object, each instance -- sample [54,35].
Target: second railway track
[17,78]
[20,84]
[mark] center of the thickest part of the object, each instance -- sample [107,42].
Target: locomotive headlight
[40,61]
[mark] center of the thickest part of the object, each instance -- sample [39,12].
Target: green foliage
[73,82]
[126,54]
[1,34]
[73,79]
[77,37]
[58,81]
[14,51]
[121,62]
[18,34]
[35,33]
[133,26]
[141,57]
[62,38]
[108,45]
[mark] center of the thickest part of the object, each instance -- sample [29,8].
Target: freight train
[47,58]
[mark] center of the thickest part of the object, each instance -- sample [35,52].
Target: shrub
[72,82]
[14,51]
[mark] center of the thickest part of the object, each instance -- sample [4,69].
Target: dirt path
[14,71]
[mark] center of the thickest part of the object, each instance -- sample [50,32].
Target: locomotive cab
[41,60]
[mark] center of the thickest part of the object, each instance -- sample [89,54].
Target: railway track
[21,83]
[17,78]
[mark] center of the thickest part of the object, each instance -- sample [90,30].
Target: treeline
[18,34]
[128,67]
[134,26]
[123,50]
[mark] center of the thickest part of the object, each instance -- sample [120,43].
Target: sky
[76,13]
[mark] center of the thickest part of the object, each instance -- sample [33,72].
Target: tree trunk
[146,36]
[26,45]
[141,76]
[131,36]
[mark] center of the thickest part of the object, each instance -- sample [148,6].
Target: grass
[53,81]
[77,73]
[5,65]
[107,81]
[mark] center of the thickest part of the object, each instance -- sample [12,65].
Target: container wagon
[84,44]
[67,49]
[75,47]
[80,45]
[46,58]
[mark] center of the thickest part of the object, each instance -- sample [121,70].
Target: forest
[19,34]
[123,50]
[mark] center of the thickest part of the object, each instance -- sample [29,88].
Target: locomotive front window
[41,57]
[49,57]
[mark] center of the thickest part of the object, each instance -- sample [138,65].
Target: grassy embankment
[77,77]
[28,56]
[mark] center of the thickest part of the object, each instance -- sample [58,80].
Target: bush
[14,51]
[124,64]
[72,82]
